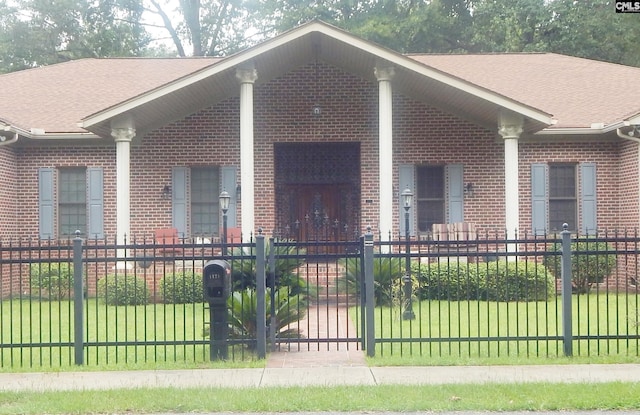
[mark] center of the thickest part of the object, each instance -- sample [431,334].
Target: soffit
[319,41]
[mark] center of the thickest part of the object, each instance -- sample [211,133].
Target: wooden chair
[167,242]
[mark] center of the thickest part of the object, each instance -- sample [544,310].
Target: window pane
[430,196]
[72,201]
[205,191]
[560,212]
[430,182]
[430,212]
[562,181]
[562,196]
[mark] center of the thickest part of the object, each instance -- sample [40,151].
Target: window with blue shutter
[45,203]
[95,199]
[589,223]
[539,221]
[179,200]
[229,183]
[455,193]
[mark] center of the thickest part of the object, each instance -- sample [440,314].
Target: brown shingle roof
[56,97]
[578,92]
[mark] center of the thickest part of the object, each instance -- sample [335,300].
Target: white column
[247,181]
[510,128]
[123,132]
[385,155]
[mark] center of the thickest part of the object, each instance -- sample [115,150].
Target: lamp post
[224,206]
[407,199]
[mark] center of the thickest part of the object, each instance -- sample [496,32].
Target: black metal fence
[109,304]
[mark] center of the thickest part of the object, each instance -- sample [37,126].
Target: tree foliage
[41,32]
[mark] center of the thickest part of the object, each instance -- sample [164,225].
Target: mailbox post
[216,276]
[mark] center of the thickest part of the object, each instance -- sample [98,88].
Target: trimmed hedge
[182,288]
[445,281]
[53,281]
[492,281]
[591,263]
[123,290]
[515,281]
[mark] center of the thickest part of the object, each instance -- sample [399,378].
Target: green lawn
[50,323]
[441,323]
[438,323]
[485,397]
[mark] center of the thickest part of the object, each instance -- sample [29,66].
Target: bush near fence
[491,281]
[123,290]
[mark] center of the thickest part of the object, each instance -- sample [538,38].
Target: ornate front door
[318,191]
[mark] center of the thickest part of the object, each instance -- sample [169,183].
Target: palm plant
[387,273]
[288,258]
[242,306]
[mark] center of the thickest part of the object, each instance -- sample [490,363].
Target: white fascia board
[340,35]
[594,129]
[43,135]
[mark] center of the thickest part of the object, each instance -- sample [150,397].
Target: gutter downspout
[5,142]
[627,136]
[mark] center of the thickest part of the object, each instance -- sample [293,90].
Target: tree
[509,25]
[592,29]
[210,27]
[41,32]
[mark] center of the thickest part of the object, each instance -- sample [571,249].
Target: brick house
[318,128]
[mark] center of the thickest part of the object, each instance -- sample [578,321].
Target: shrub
[53,281]
[514,281]
[450,281]
[242,315]
[590,263]
[123,290]
[182,288]
[387,278]
[288,258]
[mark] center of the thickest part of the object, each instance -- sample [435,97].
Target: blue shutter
[406,178]
[539,221]
[179,199]
[95,192]
[455,192]
[229,184]
[588,198]
[45,203]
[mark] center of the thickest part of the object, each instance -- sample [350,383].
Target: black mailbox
[216,278]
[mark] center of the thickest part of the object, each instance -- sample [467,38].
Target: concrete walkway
[317,376]
[321,322]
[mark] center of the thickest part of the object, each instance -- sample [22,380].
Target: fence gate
[313,295]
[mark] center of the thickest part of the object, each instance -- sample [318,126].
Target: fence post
[370,342]
[272,293]
[566,291]
[261,306]
[78,301]
[361,290]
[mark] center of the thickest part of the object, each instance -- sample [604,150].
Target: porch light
[166,192]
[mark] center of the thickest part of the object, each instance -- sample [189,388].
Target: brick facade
[349,113]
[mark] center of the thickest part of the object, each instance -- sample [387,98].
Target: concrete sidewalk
[317,376]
